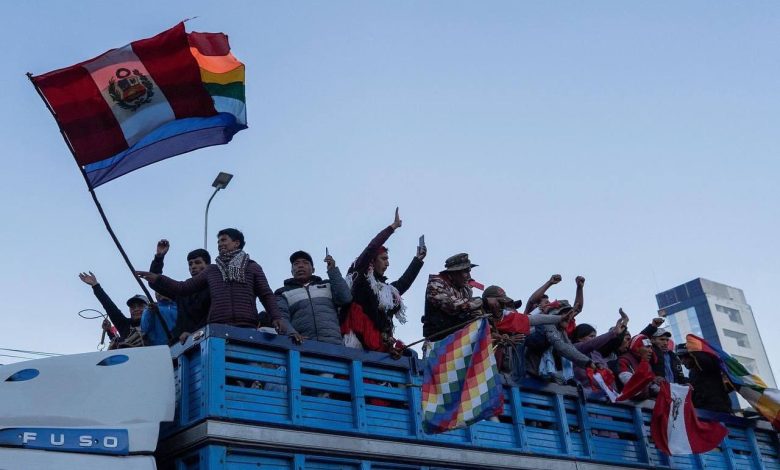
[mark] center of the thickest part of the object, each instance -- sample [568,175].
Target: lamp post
[220,182]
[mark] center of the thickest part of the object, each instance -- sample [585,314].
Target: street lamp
[220,182]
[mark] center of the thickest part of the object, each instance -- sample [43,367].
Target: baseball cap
[562,307]
[662,332]
[138,298]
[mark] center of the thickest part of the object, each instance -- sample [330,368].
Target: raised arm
[339,290]
[609,338]
[407,278]
[157,263]
[587,347]
[121,322]
[579,299]
[367,256]
[536,297]
[172,288]
[650,329]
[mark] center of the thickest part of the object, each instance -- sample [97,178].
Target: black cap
[301,254]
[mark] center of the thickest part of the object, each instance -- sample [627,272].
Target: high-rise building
[721,315]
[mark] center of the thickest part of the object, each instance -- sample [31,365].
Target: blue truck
[247,399]
[239,399]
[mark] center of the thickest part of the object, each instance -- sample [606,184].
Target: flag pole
[153,304]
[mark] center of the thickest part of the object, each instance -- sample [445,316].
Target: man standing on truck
[309,303]
[128,328]
[234,282]
[449,299]
[192,309]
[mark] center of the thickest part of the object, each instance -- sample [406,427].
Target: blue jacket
[150,325]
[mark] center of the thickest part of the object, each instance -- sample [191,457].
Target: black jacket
[709,390]
[193,309]
[123,324]
[363,295]
[657,361]
[657,364]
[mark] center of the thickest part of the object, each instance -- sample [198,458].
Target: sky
[632,143]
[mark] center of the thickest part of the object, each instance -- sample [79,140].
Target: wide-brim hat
[458,262]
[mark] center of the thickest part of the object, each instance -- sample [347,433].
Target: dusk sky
[632,143]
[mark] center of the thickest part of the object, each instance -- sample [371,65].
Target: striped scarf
[232,265]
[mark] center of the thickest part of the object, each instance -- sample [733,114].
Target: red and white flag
[603,380]
[676,429]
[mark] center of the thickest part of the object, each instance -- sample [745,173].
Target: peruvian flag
[676,429]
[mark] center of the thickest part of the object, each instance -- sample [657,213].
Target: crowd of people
[360,309]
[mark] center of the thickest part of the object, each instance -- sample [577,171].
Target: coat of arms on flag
[675,427]
[147,101]
[461,384]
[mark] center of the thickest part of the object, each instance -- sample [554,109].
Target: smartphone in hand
[421,243]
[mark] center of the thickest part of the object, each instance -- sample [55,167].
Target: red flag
[84,96]
[676,429]
[603,380]
[641,378]
[513,323]
[152,99]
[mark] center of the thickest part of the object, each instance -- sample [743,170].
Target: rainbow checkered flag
[461,384]
[764,399]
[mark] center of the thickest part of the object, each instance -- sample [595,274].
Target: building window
[749,364]
[733,314]
[741,338]
[683,322]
